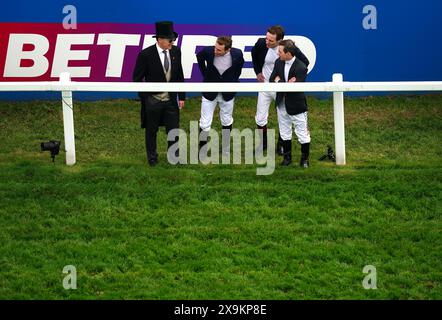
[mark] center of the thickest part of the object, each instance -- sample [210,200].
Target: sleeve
[299,55]
[240,64]
[301,74]
[140,68]
[255,58]
[180,76]
[140,71]
[201,58]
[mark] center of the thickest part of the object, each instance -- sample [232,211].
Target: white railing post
[68,120]
[338,110]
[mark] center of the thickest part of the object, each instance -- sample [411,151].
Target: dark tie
[166,61]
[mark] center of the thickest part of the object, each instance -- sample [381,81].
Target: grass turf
[221,231]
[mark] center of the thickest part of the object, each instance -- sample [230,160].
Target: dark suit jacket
[148,68]
[295,102]
[259,52]
[205,62]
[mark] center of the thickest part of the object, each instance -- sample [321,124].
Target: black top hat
[164,29]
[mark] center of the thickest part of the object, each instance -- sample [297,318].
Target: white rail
[221,87]
[337,86]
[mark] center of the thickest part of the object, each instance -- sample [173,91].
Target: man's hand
[260,77]
[181,104]
[277,79]
[292,79]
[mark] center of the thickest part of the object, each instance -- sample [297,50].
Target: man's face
[271,41]
[220,50]
[165,44]
[282,55]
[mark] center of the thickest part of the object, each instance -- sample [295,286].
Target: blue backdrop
[405,46]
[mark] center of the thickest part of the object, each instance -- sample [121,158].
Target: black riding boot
[287,145]
[225,139]
[280,146]
[263,135]
[305,152]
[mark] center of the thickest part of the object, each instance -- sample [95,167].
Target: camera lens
[52,146]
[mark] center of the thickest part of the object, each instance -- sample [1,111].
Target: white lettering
[209,153]
[370,281]
[63,54]
[70,281]
[70,21]
[183,310]
[241,42]
[269,159]
[189,49]
[117,49]
[149,40]
[16,54]
[307,47]
[370,21]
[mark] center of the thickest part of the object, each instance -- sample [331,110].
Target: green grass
[221,231]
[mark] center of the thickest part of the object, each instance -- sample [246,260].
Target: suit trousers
[208,109]
[162,113]
[286,122]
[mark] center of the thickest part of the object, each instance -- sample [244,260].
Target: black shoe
[225,140]
[202,156]
[205,136]
[279,150]
[287,161]
[263,136]
[305,152]
[153,162]
[287,147]
[304,163]
[280,147]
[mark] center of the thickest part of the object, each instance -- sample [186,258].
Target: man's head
[165,35]
[164,43]
[222,45]
[286,50]
[274,35]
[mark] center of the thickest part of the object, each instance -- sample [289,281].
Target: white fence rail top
[221,87]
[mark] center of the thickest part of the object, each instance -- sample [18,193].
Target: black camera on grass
[330,155]
[53,146]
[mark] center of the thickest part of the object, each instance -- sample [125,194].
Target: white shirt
[288,65]
[161,54]
[223,63]
[269,63]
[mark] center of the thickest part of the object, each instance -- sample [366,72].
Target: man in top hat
[160,62]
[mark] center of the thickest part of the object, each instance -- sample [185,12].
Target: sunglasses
[171,40]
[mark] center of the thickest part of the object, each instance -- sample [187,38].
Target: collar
[160,51]
[290,62]
[228,53]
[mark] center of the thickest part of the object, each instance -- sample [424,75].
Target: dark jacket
[210,74]
[259,52]
[295,102]
[148,68]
